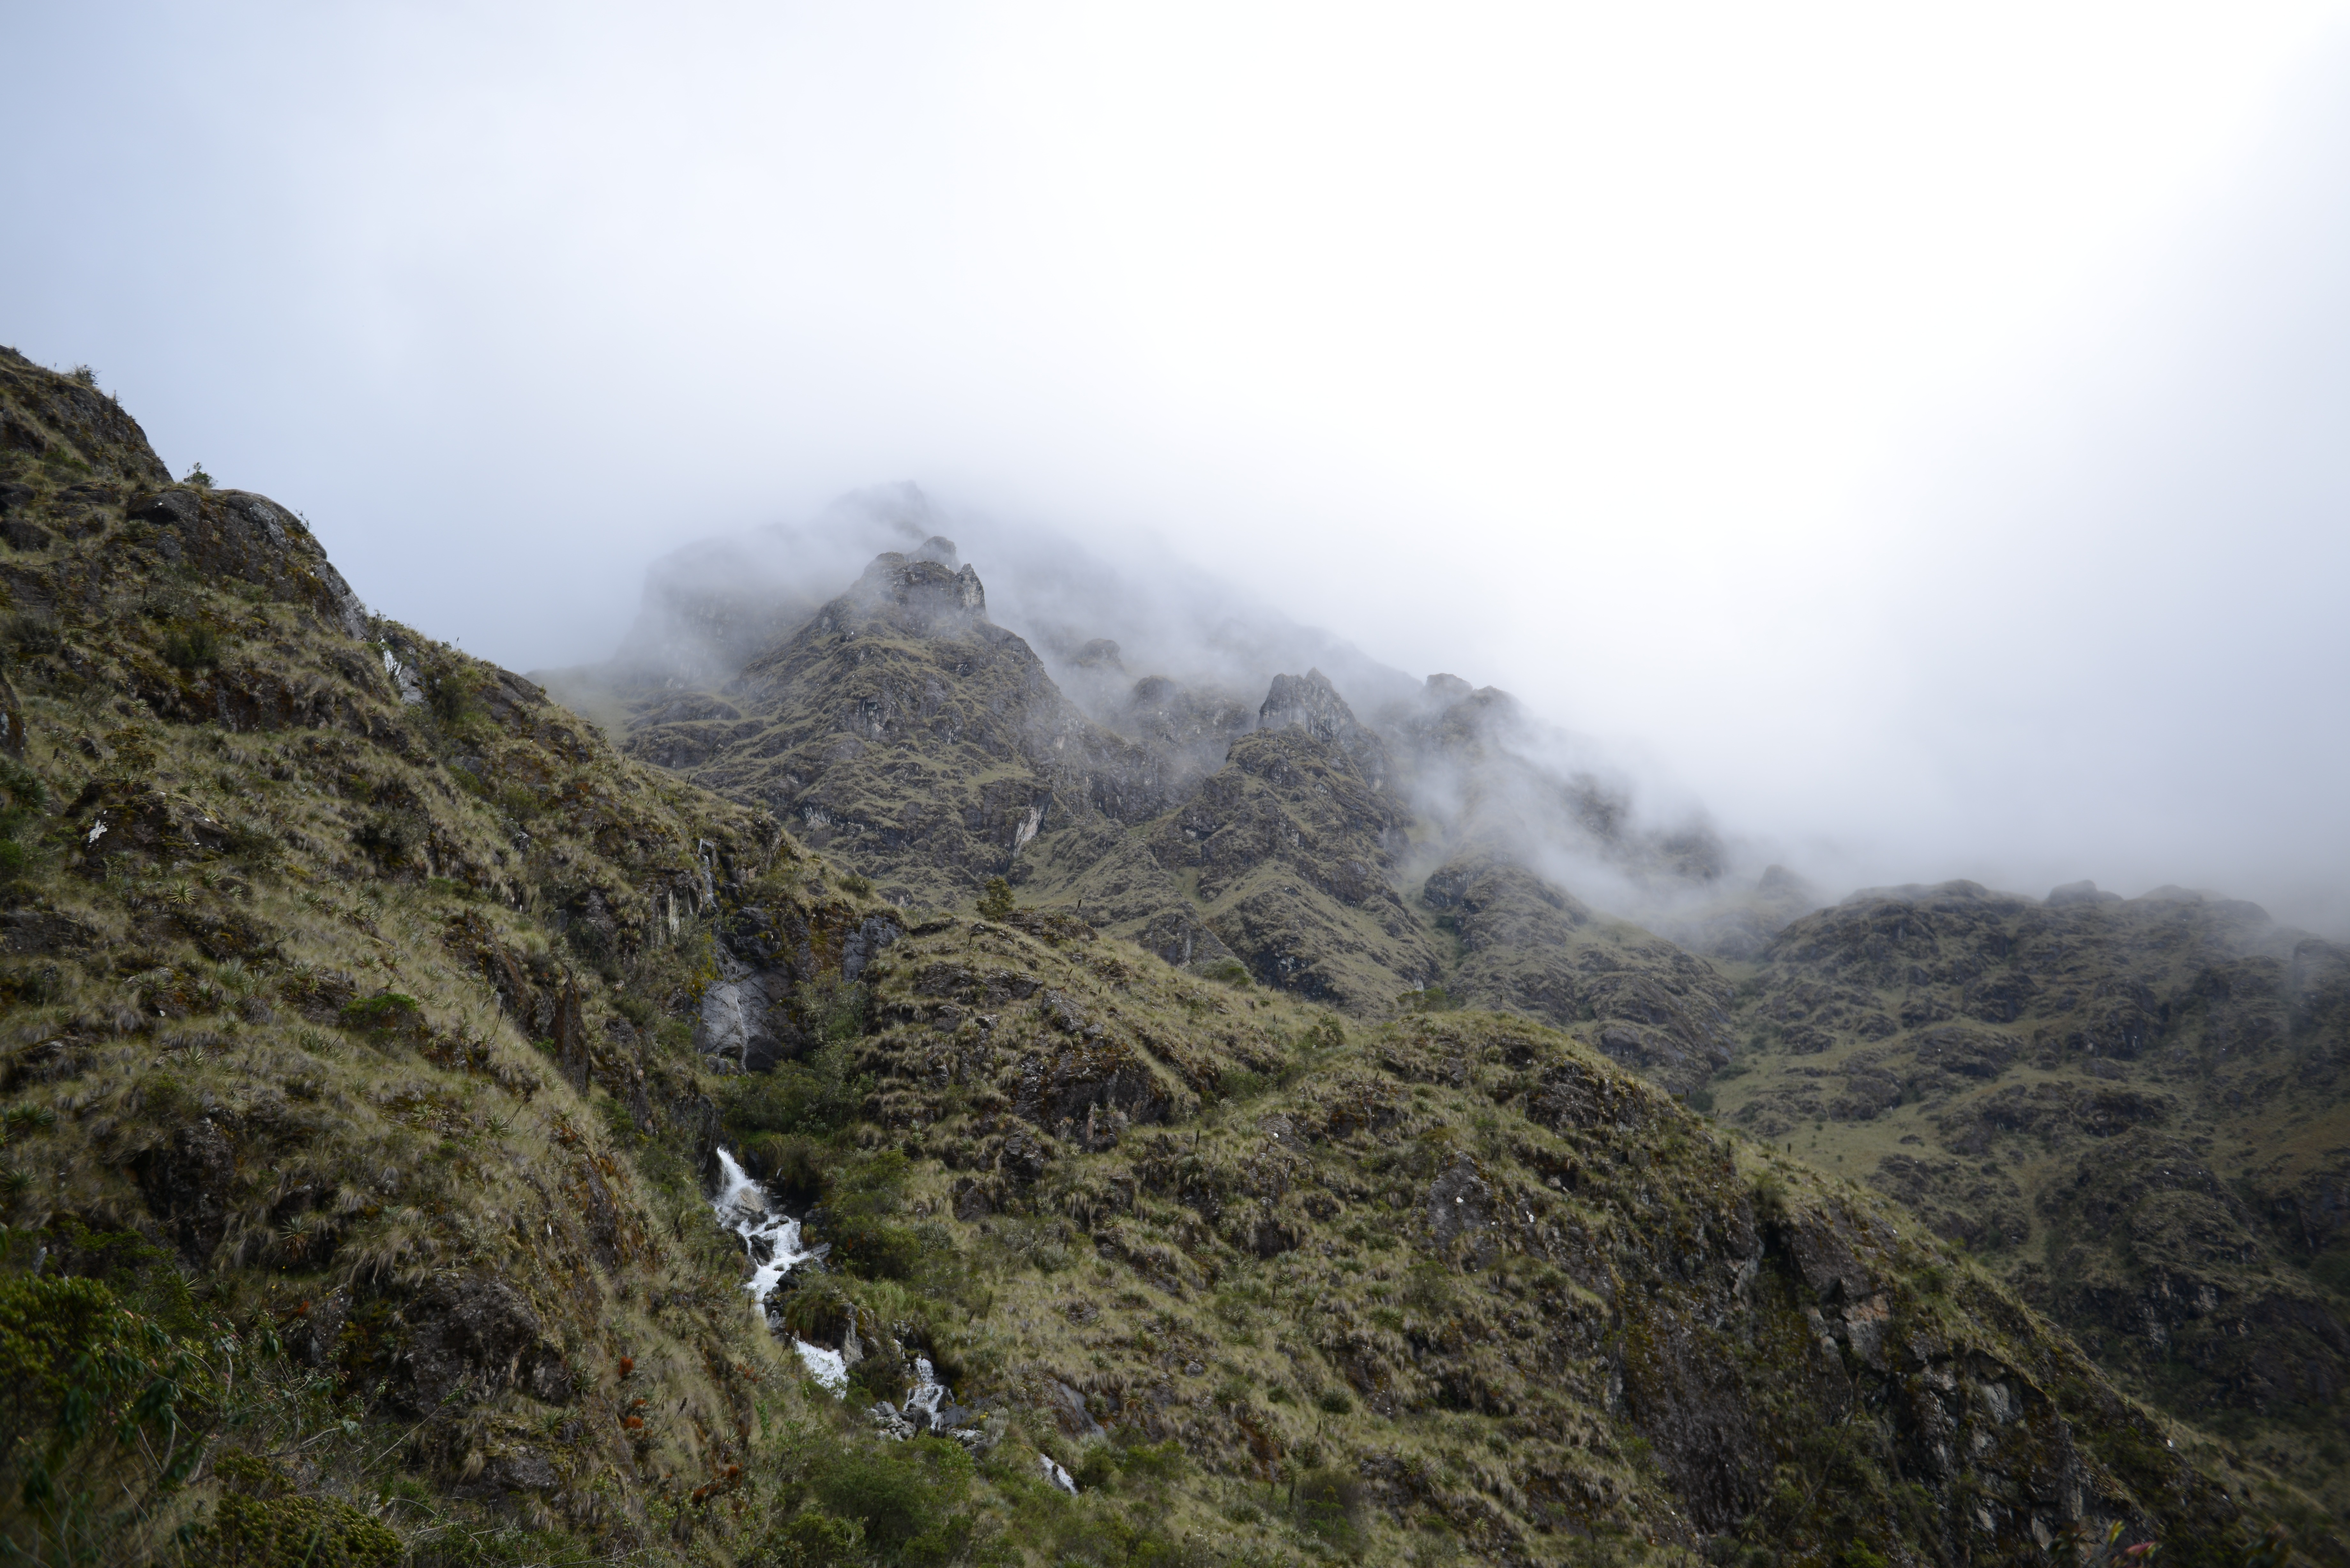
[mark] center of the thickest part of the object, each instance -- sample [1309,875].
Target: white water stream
[772,1239]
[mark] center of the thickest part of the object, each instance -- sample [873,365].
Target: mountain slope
[1355,864]
[361,1130]
[2138,1110]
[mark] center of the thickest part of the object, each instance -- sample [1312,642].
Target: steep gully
[772,1239]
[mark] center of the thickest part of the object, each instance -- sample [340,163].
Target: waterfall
[773,1240]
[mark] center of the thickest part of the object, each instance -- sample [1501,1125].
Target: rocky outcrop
[1528,947]
[469,1338]
[1309,703]
[231,533]
[189,1181]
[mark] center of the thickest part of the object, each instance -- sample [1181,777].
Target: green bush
[905,1498]
[33,633]
[813,1096]
[191,645]
[391,1012]
[811,1540]
[834,1009]
[91,1414]
[27,797]
[995,900]
[1329,1505]
[859,1218]
[454,697]
[259,1523]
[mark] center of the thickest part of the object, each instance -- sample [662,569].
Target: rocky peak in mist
[922,594]
[1177,664]
[1092,738]
[1309,703]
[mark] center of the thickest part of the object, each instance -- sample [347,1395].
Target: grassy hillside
[359,1140]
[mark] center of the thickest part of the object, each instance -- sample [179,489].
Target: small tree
[198,477]
[995,899]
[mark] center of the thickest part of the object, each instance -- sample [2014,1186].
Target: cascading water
[773,1240]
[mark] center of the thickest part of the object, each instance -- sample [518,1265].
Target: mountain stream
[772,1239]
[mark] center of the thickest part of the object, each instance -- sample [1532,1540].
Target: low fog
[1907,448]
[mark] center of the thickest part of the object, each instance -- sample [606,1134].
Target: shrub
[1227,971]
[197,477]
[90,1400]
[905,1498]
[389,1014]
[391,837]
[859,1218]
[815,1095]
[454,697]
[834,1009]
[191,645]
[33,634]
[811,1540]
[1329,1505]
[27,797]
[258,1524]
[995,900]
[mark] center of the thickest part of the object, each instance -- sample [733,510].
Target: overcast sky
[1921,435]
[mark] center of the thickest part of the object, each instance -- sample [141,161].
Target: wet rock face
[188,1182]
[121,819]
[784,980]
[1459,1208]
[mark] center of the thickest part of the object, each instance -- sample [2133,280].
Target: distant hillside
[2137,1111]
